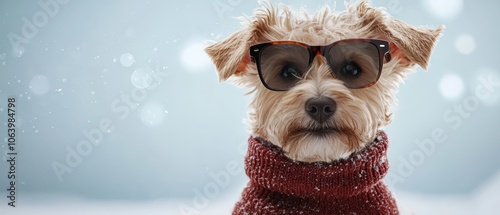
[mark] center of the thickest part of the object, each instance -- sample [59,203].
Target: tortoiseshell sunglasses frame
[381,45]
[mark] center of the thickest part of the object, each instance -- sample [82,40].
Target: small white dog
[324,87]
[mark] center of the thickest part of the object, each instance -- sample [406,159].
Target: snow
[18,51]
[62,204]
[483,201]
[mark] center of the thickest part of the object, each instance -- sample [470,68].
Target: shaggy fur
[280,118]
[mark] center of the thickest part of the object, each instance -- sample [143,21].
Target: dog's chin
[320,132]
[319,144]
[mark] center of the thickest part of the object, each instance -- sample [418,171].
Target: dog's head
[320,92]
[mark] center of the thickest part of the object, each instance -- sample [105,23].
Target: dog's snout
[321,109]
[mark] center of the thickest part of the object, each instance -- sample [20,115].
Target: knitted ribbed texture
[279,185]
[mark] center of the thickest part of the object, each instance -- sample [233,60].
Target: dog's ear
[231,55]
[411,44]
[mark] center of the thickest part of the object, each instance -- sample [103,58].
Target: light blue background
[70,74]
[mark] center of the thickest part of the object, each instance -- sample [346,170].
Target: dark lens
[283,65]
[355,63]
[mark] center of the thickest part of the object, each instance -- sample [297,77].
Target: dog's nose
[321,109]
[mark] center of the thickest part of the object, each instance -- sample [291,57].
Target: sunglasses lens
[283,65]
[355,63]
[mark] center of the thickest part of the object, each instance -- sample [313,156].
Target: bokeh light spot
[152,114]
[194,59]
[465,44]
[141,78]
[39,85]
[127,59]
[451,86]
[445,9]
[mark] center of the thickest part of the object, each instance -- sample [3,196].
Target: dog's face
[323,111]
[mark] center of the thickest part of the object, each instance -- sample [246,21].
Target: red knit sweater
[279,185]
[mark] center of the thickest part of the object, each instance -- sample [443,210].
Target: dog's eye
[351,70]
[289,72]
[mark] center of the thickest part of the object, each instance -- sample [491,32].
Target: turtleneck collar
[318,184]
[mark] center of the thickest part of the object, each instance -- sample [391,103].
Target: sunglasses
[356,62]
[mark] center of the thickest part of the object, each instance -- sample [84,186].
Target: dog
[323,90]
